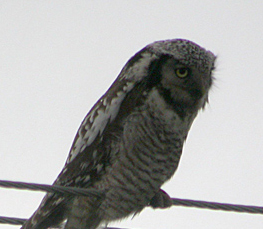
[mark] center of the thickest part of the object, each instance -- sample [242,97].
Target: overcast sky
[58,57]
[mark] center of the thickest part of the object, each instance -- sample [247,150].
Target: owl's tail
[51,212]
[84,213]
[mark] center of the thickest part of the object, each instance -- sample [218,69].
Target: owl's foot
[161,200]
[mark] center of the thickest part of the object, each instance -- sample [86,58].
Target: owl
[131,141]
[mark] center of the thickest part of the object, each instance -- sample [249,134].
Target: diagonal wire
[12,220]
[176,202]
[50,188]
[217,206]
[21,221]
[86,192]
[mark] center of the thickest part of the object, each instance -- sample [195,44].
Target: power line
[218,206]
[62,190]
[11,220]
[20,221]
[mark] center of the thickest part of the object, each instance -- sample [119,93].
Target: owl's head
[180,69]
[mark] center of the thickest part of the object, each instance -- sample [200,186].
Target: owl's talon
[161,200]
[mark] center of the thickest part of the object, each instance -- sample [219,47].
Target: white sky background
[58,57]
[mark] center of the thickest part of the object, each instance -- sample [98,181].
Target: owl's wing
[90,152]
[91,147]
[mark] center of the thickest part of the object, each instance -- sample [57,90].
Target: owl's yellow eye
[182,72]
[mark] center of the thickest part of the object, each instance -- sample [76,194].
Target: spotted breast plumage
[131,141]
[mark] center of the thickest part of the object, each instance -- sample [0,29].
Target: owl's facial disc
[185,85]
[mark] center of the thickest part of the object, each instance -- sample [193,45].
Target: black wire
[20,221]
[50,188]
[11,220]
[87,192]
[218,206]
